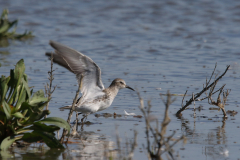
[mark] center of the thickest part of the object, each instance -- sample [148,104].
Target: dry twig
[48,87]
[71,110]
[162,143]
[207,87]
[220,103]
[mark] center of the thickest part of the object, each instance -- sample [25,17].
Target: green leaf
[38,94]
[48,138]
[11,84]
[7,109]
[19,122]
[16,94]
[25,84]
[18,115]
[13,23]
[21,98]
[57,121]
[4,27]
[25,112]
[33,112]
[6,154]
[7,142]
[18,73]
[38,97]
[43,127]
[25,106]
[4,14]
[31,137]
[38,116]
[19,70]
[40,106]
[3,86]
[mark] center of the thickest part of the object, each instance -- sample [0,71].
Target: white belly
[94,105]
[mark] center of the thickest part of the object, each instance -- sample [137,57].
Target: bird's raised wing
[80,65]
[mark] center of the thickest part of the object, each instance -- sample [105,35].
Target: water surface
[154,46]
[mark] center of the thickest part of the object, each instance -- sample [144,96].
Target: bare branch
[207,87]
[161,143]
[220,103]
[72,109]
[211,75]
[184,97]
[48,88]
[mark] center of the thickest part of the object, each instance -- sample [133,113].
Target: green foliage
[6,25]
[22,112]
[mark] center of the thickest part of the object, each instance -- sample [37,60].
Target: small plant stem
[48,88]
[72,110]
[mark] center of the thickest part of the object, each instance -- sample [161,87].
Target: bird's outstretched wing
[80,65]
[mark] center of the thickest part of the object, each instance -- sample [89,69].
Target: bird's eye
[121,82]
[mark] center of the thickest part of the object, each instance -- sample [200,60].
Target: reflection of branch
[133,146]
[161,142]
[48,88]
[207,87]
[130,148]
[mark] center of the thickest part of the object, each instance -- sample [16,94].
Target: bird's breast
[98,103]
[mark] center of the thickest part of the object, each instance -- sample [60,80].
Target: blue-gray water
[154,46]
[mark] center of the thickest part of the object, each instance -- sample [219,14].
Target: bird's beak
[129,88]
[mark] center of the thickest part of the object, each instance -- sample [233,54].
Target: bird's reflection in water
[88,145]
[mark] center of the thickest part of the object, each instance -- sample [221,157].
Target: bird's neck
[113,90]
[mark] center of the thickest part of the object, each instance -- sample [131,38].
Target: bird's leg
[85,119]
[82,120]
[77,120]
[82,123]
[84,116]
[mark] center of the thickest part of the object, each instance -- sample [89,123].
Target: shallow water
[154,46]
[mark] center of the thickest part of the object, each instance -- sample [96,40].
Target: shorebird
[94,96]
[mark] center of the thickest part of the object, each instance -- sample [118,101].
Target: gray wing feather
[59,60]
[79,64]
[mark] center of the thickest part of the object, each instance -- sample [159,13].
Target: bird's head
[120,84]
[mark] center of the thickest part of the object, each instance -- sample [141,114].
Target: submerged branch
[207,87]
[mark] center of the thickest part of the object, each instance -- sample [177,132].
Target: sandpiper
[94,96]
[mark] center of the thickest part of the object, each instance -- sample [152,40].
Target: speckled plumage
[94,96]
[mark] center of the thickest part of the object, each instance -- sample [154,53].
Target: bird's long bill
[130,88]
